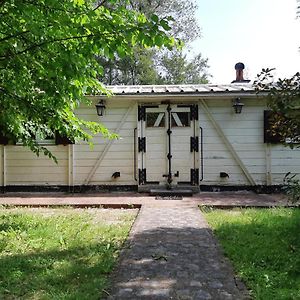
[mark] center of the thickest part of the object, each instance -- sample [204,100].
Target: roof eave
[248,94]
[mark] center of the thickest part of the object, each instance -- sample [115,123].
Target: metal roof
[195,89]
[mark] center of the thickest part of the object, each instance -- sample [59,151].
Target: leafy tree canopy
[158,66]
[183,24]
[283,98]
[177,69]
[48,61]
[134,69]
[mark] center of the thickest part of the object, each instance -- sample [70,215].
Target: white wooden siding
[284,160]
[24,168]
[217,157]
[244,132]
[119,157]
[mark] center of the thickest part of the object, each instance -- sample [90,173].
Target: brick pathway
[172,254]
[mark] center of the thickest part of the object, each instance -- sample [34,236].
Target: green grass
[59,253]
[264,247]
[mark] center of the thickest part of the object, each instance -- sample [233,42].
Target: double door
[168,145]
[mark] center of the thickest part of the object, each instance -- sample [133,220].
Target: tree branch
[13,36]
[32,47]
[132,4]
[99,4]
[159,3]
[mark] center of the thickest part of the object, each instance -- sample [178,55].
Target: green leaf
[158,40]
[155,18]
[165,25]
[79,2]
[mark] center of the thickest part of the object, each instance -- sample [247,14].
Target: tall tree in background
[184,25]
[138,68]
[152,66]
[48,63]
[176,69]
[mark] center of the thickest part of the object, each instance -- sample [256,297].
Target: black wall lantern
[100,107]
[237,105]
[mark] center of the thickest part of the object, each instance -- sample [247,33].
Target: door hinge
[142,176]
[141,113]
[194,143]
[142,144]
[194,176]
[194,112]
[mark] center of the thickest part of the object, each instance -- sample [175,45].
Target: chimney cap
[239,66]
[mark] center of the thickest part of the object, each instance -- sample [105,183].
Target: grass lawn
[264,247]
[59,253]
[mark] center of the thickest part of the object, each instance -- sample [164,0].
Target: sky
[259,33]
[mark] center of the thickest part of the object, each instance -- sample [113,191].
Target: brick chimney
[239,68]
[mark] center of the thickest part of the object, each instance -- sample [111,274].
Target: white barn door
[183,159]
[156,144]
[168,145]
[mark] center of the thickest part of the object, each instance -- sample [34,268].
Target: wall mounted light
[237,105]
[116,175]
[224,175]
[100,107]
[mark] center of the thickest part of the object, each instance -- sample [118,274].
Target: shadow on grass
[56,257]
[264,246]
[76,273]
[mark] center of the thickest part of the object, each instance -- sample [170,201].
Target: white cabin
[170,136]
